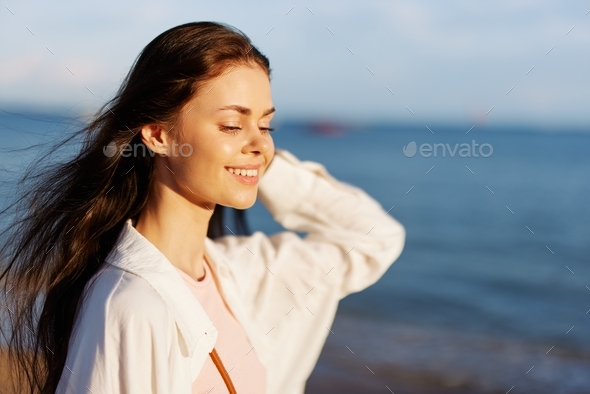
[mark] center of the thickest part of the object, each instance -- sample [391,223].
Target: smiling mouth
[250,180]
[243,172]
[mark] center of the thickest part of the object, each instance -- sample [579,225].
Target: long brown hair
[68,216]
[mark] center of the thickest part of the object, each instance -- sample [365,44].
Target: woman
[144,291]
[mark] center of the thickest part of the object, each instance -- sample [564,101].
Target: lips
[246,173]
[251,179]
[250,166]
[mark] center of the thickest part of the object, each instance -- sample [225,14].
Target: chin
[243,204]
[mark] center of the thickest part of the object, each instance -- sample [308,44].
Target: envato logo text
[126,150]
[464,150]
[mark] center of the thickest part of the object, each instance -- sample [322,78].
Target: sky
[462,62]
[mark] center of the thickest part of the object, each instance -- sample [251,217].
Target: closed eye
[230,129]
[235,129]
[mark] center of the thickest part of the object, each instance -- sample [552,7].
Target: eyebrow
[244,110]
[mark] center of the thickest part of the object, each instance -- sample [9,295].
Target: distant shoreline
[332,125]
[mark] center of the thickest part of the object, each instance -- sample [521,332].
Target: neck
[178,228]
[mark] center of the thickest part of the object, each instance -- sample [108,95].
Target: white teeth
[243,172]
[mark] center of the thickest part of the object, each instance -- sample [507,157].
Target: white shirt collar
[135,254]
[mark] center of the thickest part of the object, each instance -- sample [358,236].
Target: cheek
[271,150]
[209,157]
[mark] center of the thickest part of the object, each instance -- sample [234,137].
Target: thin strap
[222,372]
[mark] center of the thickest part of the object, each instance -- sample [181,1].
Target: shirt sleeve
[290,286]
[122,347]
[350,242]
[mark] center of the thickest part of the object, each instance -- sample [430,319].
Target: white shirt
[141,331]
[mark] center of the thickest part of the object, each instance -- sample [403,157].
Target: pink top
[233,347]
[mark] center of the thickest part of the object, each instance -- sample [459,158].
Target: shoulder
[118,297]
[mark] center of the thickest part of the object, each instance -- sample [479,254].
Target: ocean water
[492,290]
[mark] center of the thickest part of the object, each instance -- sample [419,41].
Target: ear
[155,138]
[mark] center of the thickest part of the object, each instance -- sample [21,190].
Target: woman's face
[225,124]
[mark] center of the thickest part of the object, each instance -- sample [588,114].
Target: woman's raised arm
[351,240]
[289,285]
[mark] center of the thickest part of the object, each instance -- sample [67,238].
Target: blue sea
[492,291]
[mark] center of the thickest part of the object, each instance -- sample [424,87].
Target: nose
[257,142]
